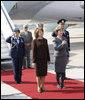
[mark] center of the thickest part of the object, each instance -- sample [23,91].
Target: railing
[7,25]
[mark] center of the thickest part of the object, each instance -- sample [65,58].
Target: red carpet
[74,90]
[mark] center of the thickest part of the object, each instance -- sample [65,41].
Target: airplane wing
[48,11]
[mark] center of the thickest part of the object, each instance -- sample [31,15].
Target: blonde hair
[36,32]
[57,29]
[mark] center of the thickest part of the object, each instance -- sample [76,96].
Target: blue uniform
[17,53]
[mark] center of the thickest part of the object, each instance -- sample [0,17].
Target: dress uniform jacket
[28,39]
[27,36]
[61,53]
[17,53]
[40,56]
[17,49]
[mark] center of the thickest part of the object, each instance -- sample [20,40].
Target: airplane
[48,11]
[45,12]
[39,11]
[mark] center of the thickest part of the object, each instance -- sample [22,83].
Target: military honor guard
[17,54]
[27,35]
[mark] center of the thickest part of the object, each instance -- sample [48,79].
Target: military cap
[61,21]
[40,25]
[16,29]
[25,25]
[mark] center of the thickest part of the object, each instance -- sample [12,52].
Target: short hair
[58,28]
[36,32]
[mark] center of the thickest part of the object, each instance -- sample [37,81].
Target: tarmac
[74,69]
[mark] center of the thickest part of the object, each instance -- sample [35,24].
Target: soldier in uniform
[17,53]
[27,35]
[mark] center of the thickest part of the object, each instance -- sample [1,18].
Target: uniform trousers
[17,68]
[26,62]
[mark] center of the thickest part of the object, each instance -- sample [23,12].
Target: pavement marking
[8,92]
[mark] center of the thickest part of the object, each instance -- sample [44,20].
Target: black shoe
[58,86]
[28,67]
[65,78]
[43,90]
[18,82]
[24,67]
[62,86]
